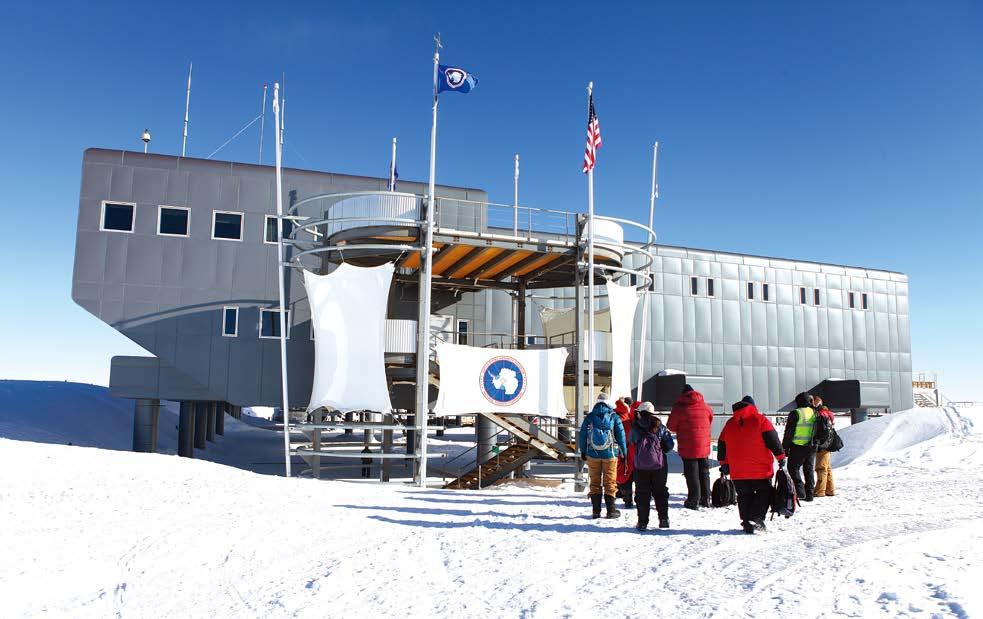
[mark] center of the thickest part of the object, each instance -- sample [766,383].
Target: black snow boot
[748,527]
[595,500]
[663,523]
[642,526]
[759,525]
[613,512]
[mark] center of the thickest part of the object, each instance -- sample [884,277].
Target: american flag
[593,138]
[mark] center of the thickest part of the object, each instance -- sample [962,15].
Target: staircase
[534,442]
[495,469]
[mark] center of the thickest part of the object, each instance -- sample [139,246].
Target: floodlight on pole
[146,139]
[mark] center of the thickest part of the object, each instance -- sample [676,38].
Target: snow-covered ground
[92,532]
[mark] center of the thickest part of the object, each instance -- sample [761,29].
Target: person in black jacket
[651,482]
[797,442]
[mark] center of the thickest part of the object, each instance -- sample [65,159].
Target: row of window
[269,324]
[766,293]
[176,221]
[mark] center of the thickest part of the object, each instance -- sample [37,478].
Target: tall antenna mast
[262,125]
[187,108]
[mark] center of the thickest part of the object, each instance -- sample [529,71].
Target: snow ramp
[894,433]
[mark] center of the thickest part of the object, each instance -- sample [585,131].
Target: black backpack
[723,492]
[783,499]
[822,432]
[835,442]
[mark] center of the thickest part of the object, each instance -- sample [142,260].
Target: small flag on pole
[593,137]
[455,79]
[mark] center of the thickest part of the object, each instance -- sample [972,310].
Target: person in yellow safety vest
[797,443]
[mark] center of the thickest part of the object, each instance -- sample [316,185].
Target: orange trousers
[603,476]
[824,475]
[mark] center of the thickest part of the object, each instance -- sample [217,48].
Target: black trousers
[697,473]
[366,470]
[647,485]
[802,461]
[626,493]
[753,498]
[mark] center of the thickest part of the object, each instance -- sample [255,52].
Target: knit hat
[646,407]
[748,400]
[687,387]
[603,397]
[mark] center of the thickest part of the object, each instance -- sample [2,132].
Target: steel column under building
[210,426]
[201,424]
[223,408]
[186,430]
[146,417]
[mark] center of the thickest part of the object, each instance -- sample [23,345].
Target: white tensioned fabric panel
[526,382]
[348,309]
[622,300]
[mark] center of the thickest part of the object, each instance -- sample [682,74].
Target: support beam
[201,424]
[578,474]
[520,314]
[146,418]
[223,408]
[212,421]
[186,430]
[486,433]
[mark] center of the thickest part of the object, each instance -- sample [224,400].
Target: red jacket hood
[622,409]
[747,412]
[690,398]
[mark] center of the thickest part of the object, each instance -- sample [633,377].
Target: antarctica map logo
[502,381]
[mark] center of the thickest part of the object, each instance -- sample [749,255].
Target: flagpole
[187,109]
[515,199]
[262,125]
[285,402]
[392,169]
[590,269]
[645,302]
[426,275]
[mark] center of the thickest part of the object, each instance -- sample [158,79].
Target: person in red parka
[746,448]
[690,419]
[626,466]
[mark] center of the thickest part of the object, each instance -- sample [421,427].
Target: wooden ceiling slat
[476,261]
[510,260]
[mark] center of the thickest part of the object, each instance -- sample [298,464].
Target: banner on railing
[526,382]
[622,301]
[348,309]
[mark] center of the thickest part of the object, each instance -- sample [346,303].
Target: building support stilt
[186,430]
[201,423]
[146,418]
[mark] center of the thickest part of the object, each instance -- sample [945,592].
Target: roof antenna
[187,108]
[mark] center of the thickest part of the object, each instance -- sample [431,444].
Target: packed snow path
[89,532]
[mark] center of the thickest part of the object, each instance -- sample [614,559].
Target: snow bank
[893,433]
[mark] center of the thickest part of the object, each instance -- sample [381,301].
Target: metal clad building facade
[170,294]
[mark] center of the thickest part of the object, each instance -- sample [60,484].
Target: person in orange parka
[824,473]
[626,466]
[691,420]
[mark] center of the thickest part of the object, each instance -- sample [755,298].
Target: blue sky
[846,132]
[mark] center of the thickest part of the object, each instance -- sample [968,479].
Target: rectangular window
[765,292]
[850,300]
[226,225]
[173,220]
[230,321]
[117,216]
[530,340]
[694,286]
[750,291]
[269,323]
[463,326]
[270,232]
[863,301]
[802,295]
[815,296]
[710,287]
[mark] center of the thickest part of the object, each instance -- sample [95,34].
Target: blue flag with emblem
[455,79]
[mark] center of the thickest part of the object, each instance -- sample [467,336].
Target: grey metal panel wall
[775,349]
[167,293]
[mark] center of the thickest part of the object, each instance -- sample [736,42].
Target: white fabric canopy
[527,382]
[622,301]
[348,309]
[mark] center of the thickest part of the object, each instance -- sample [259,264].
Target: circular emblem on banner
[455,77]
[502,381]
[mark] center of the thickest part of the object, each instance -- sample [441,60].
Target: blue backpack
[648,453]
[599,437]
